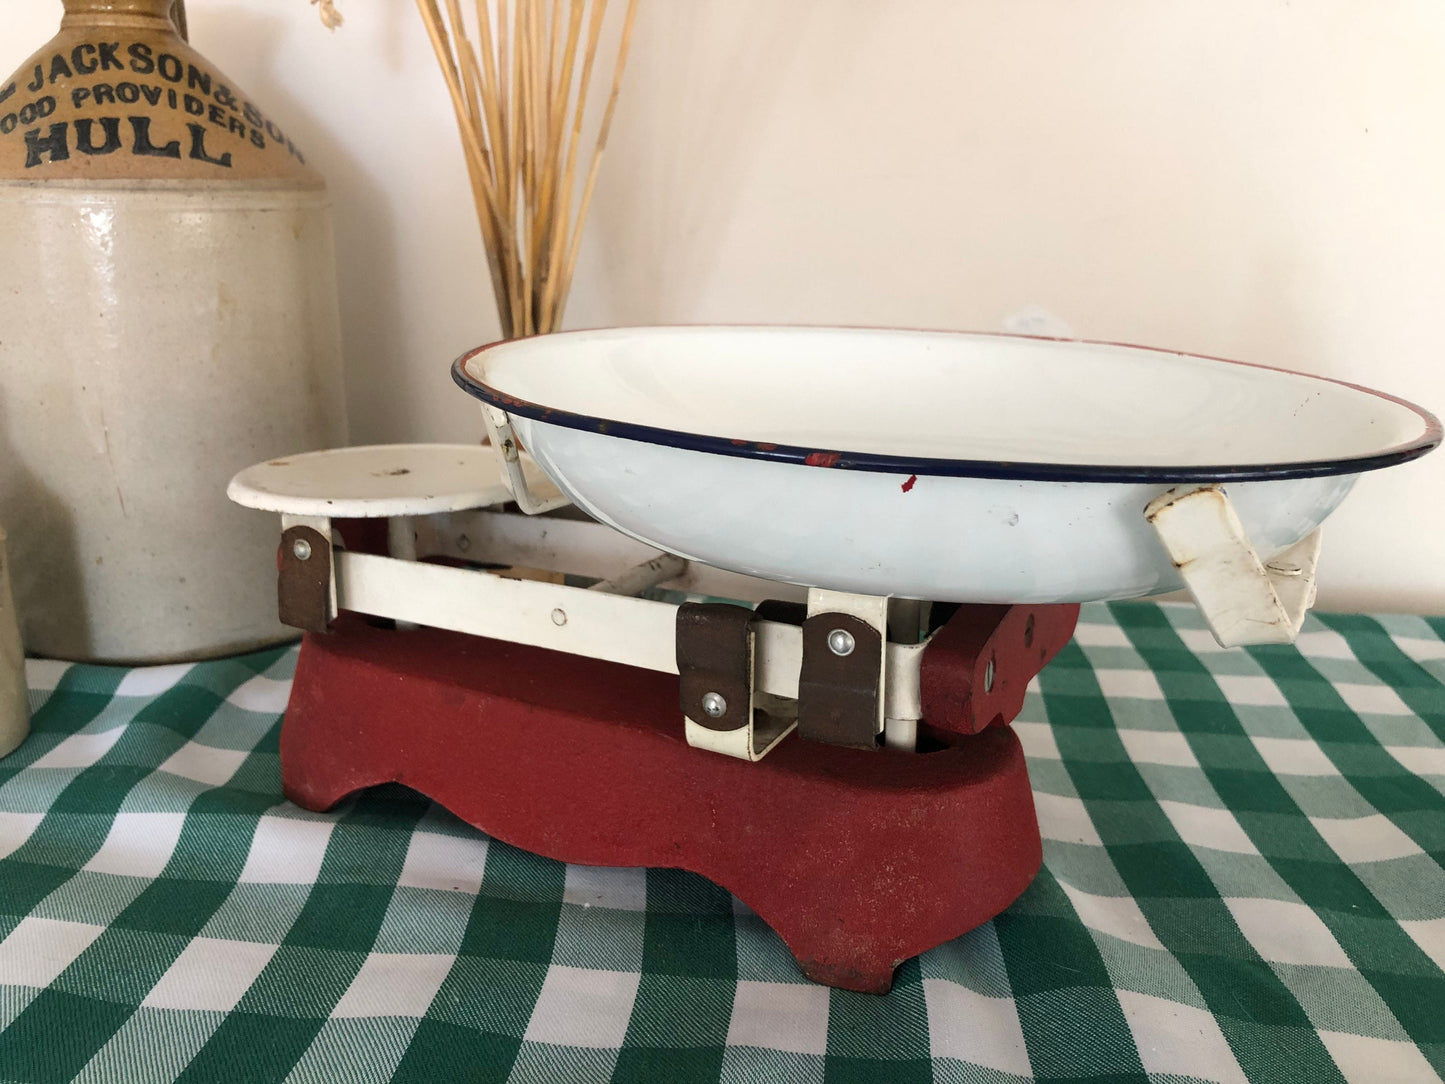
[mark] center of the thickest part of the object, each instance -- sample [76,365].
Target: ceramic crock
[168,315]
[14,696]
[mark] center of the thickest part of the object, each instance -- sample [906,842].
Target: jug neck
[136,14]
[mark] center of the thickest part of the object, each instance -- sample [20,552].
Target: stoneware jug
[168,305]
[14,696]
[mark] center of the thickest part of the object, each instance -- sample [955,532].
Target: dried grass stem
[520,97]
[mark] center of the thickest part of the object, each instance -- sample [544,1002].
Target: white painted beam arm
[633,631]
[660,569]
[1243,599]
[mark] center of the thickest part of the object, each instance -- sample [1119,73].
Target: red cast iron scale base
[858,859]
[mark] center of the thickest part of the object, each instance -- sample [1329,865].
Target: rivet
[559,617]
[840,642]
[464,543]
[714,705]
[301,549]
[988,675]
[1285,569]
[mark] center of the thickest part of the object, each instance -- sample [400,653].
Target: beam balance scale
[760,603]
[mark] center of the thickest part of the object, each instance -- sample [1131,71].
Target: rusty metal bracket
[715,647]
[306,584]
[840,688]
[784,613]
[716,662]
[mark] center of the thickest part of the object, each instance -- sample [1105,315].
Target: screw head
[559,617]
[840,642]
[988,676]
[714,705]
[301,549]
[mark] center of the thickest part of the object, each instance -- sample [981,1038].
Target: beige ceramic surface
[168,339]
[163,323]
[14,698]
[118,94]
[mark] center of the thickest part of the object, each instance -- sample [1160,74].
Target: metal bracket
[841,685]
[716,661]
[532,500]
[306,579]
[635,580]
[1244,600]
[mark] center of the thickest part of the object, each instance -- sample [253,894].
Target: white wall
[1256,179]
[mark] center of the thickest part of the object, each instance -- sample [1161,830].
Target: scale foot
[859,860]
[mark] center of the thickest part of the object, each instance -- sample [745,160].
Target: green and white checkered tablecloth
[1242,881]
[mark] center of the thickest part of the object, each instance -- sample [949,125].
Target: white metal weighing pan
[934,465]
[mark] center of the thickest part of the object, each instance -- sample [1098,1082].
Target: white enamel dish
[936,465]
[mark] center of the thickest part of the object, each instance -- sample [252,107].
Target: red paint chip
[912,481]
[822,459]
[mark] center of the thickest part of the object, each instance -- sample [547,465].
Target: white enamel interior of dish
[938,538]
[948,396]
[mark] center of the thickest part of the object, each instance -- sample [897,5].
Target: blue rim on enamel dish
[840,459]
